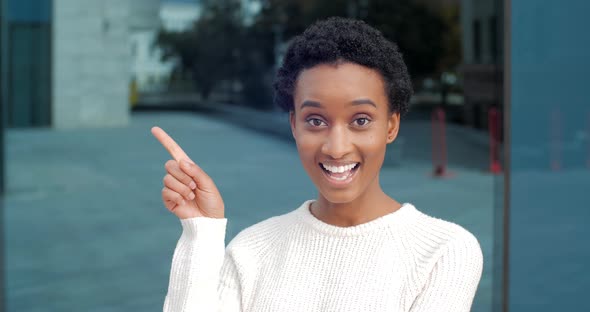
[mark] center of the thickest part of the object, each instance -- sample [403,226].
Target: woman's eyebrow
[363,101]
[310,103]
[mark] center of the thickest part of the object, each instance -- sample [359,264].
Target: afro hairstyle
[337,40]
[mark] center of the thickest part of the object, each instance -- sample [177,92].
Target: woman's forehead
[342,83]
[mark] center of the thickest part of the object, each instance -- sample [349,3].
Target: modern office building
[482,39]
[26,63]
[66,63]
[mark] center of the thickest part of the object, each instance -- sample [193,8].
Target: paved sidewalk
[85,229]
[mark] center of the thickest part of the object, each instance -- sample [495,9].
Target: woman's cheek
[366,141]
[305,146]
[372,145]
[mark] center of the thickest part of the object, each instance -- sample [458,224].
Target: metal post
[3,49]
[2,93]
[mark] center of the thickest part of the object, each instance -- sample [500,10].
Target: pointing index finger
[173,148]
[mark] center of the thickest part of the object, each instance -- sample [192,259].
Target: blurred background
[497,138]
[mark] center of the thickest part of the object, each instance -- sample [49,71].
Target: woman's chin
[339,196]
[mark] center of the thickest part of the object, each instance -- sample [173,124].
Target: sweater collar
[404,214]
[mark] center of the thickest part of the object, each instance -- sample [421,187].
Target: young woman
[353,248]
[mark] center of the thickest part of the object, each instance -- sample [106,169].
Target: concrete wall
[91,58]
[144,14]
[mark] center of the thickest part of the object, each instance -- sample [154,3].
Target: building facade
[26,65]
[67,62]
[482,39]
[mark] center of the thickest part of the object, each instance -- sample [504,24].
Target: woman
[353,248]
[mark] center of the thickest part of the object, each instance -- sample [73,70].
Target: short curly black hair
[336,40]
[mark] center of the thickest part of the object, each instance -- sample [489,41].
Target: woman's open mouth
[340,174]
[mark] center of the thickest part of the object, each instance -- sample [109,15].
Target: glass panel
[28,55]
[549,151]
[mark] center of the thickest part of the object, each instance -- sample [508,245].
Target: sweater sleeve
[453,281]
[202,278]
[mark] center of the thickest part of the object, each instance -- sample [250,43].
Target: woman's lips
[339,178]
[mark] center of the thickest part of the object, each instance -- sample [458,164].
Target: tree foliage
[416,30]
[206,52]
[221,47]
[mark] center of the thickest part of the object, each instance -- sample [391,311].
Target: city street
[85,228]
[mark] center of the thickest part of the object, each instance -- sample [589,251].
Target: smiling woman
[342,127]
[354,248]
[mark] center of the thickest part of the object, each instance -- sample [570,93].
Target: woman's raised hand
[188,191]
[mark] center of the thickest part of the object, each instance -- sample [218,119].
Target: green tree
[417,31]
[451,38]
[207,51]
[220,47]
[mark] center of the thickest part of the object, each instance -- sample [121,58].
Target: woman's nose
[337,143]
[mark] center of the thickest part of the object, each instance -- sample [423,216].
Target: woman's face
[342,124]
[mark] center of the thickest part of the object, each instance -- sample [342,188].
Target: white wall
[144,14]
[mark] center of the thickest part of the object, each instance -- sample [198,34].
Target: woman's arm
[454,279]
[200,278]
[195,279]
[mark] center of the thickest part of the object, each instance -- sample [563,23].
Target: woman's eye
[315,122]
[361,121]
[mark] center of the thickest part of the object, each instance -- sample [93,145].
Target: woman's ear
[292,122]
[392,127]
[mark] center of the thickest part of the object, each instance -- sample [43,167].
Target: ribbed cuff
[211,228]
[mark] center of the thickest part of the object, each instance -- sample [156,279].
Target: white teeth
[339,169]
[341,178]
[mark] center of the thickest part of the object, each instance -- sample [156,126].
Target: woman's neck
[369,206]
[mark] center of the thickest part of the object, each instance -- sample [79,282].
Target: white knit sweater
[404,261]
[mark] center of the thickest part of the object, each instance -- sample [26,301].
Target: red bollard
[439,144]
[494,132]
[555,140]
